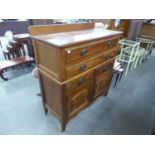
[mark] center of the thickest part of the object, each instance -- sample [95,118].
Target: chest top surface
[69,38]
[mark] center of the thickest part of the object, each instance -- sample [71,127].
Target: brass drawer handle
[83,52]
[82,67]
[81,81]
[109,43]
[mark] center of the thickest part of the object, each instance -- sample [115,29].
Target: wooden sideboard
[75,64]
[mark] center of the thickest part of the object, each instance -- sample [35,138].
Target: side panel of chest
[47,58]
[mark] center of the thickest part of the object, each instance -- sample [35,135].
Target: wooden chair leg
[5,56]
[121,76]
[117,76]
[23,50]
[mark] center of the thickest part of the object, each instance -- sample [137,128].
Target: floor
[128,109]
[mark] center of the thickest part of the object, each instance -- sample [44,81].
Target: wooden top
[73,37]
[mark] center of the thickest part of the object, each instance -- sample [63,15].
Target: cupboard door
[102,79]
[79,94]
[78,100]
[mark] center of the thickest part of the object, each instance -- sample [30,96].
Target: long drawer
[88,64]
[76,53]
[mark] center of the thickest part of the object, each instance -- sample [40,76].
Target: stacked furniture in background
[134,52]
[128,53]
[14,54]
[146,45]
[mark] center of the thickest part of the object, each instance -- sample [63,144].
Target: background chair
[22,44]
[118,71]
[13,54]
[128,53]
[9,34]
[146,45]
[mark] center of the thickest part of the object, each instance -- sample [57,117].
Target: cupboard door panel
[79,94]
[78,99]
[102,79]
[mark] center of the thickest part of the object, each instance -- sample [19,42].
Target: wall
[135,28]
[22,25]
[15,26]
[40,21]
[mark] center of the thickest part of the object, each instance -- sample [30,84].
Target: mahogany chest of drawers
[75,63]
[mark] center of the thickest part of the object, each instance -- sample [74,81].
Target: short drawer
[88,64]
[78,83]
[84,51]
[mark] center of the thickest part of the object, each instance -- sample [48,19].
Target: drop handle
[82,67]
[83,52]
[81,81]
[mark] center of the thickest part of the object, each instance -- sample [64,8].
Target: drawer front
[78,94]
[90,63]
[74,54]
[78,84]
